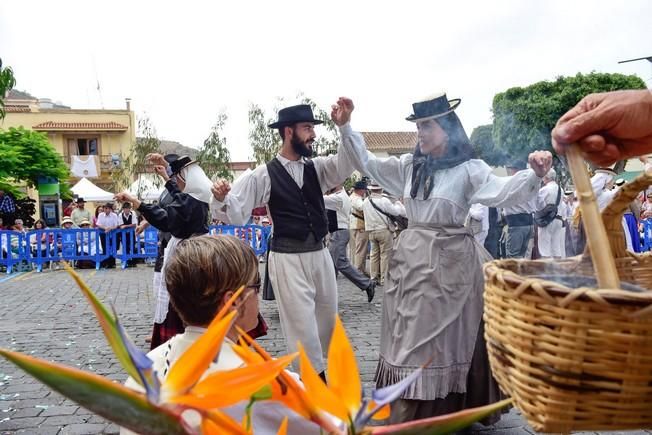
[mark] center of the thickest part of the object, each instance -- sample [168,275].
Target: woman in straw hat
[432,308]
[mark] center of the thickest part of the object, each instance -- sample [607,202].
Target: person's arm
[249,191]
[333,201]
[494,191]
[388,172]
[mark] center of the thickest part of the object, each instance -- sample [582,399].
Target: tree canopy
[485,148]
[266,142]
[214,156]
[135,163]
[525,116]
[7,82]
[27,155]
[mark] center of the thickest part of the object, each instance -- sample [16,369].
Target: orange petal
[216,422]
[247,355]
[190,366]
[317,390]
[296,397]
[382,414]
[283,428]
[343,374]
[227,387]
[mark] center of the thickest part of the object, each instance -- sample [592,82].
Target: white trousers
[306,293]
[552,240]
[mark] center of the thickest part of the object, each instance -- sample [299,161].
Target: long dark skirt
[481,389]
[171,326]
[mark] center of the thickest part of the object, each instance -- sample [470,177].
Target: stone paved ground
[45,315]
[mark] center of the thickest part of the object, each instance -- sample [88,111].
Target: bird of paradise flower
[339,408]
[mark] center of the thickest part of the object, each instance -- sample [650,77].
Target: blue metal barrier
[255,236]
[647,234]
[12,249]
[132,245]
[51,245]
[40,247]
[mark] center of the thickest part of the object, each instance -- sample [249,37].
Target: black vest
[296,212]
[332,220]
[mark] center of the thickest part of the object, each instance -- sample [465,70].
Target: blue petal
[143,363]
[390,393]
[384,396]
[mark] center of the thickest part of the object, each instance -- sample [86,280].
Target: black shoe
[371,291]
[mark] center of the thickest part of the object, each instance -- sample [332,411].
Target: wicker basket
[574,359]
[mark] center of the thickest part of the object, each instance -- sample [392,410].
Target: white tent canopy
[90,192]
[145,187]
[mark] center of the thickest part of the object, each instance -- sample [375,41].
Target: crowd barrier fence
[39,248]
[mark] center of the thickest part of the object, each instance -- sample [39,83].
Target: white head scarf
[198,185]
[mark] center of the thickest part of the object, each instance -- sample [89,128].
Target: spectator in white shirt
[107,221]
[380,231]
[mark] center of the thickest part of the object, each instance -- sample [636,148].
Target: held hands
[126,197]
[220,189]
[540,162]
[341,111]
[162,171]
[156,159]
[608,127]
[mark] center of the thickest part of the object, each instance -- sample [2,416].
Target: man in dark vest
[300,268]
[338,211]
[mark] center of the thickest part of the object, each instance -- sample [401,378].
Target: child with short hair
[202,275]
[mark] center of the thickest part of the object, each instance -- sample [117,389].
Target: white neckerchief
[198,185]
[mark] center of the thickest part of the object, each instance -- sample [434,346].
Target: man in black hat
[80,214]
[359,236]
[300,268]
[338,211]
[185,215]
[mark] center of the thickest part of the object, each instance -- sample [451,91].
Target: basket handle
[612,215]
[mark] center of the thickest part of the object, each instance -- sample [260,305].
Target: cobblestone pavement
[45,315]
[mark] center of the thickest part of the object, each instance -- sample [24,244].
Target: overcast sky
[182,63]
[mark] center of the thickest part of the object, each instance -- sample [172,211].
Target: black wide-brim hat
[294,114]
[180,163]
[433,107]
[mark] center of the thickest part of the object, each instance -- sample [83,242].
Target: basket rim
[556,289]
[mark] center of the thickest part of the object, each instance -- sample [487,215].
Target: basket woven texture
[574,358]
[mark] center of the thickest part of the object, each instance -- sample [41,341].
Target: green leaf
[443,424]
[109,327]
[110,400]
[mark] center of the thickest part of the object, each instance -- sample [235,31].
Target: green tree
[27,155]
[524,117]
[264,141]
[485,148]
[327,142]
[7,81]
[214,156]
[134,164]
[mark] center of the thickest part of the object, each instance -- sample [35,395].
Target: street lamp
[648,58]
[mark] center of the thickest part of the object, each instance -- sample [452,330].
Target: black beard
[300,147]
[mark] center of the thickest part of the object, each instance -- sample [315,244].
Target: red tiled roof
[80,126]
[390,141]
[16,108]
[241,166]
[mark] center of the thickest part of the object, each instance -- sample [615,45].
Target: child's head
[203,273]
